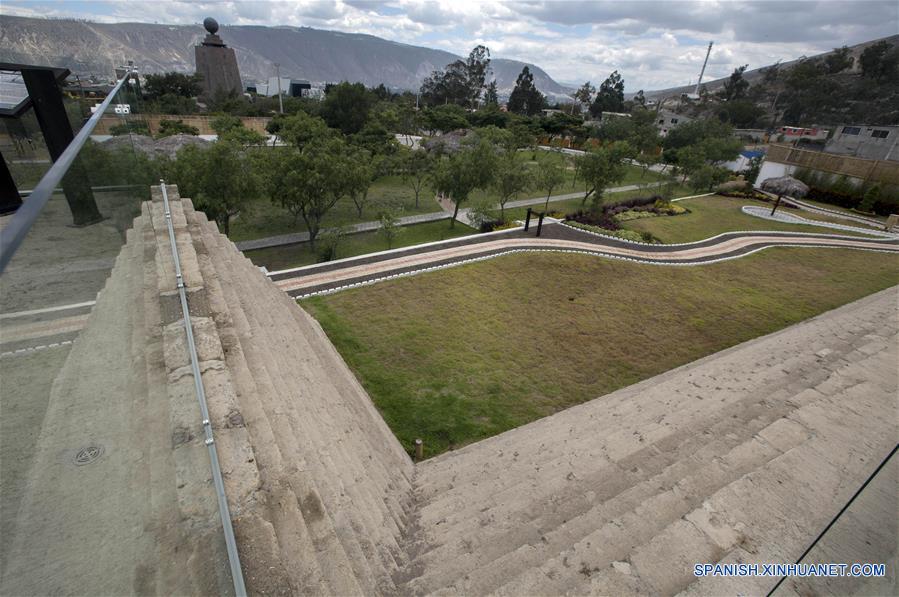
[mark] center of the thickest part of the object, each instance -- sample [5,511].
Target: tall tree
[525,98]
[610,96]
[601,167]
[458,174]
[838,60]
[510,177]
[736,85]
[346,107]
[585,92]
[220,178]
[477,65]
[414,166]
[490,96]
[879,61]
[550,175]
[308,182]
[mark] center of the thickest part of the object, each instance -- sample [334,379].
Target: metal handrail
[15,232]
[230,543]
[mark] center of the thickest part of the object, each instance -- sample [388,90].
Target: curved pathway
[367,269]
[789,218]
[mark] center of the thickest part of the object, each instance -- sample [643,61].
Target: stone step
[310,549]
[683,481]
[628,438]
[802,484]
[329,485]
[256,535]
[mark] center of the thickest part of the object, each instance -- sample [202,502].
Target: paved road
[367,269]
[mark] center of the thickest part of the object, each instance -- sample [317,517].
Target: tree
[525,98]
[231,127]
[477,67]
[414,166]
[601,167]
[585,92]
[550,175]
[168,128]
[457,175]
[510,178]
[346,107]
[490,97]
[878,61]
[838,60]
[639,99]
[308,182]
[220,178]
[689,160]
[610,97]
[741,113]
[735,86]
[448,117]
[359,176]
[172,83]
[708,177]
[302,129]
[390,227]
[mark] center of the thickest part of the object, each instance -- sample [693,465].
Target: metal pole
[280,99]
[776,203]
[527,220]
[540,223]
[230,543]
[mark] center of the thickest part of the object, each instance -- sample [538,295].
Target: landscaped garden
[456,356]
[715,214]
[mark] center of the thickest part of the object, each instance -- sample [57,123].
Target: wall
[863,145]
[886,172]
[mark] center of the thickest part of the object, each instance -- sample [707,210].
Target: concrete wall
[858,141]
[882,171]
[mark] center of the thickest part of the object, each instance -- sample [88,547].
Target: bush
[631,235]
[137,127]
[175,127]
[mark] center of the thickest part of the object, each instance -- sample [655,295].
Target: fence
[881,171]
[254,123]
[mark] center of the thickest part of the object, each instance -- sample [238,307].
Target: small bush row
[631,235]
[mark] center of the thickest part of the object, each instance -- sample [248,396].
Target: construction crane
[695,94]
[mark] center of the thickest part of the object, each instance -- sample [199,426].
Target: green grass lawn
[463,354]
[715,214]
[288,256]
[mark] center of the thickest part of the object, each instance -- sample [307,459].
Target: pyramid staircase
[740,457]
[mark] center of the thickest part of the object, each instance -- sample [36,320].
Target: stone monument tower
[217,64]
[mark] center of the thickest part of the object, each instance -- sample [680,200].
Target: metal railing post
[230,543]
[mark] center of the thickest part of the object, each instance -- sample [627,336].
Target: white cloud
[653,43]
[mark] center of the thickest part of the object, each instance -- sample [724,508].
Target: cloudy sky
[653,43]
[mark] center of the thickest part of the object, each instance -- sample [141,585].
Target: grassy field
[288,256]
[716,214]
[462,354]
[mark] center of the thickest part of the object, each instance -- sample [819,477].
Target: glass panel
[94,485]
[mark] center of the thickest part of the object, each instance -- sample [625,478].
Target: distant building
[862,141]
[217,64]
[795,133]
[289,87]
[667,120]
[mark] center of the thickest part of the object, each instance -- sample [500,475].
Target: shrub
[631,235]
[175,127]
[869,199]
[137,127]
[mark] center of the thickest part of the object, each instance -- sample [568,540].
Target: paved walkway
[789,218]
[368,269]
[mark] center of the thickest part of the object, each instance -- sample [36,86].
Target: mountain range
[89,48]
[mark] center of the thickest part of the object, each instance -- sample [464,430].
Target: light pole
[280,100]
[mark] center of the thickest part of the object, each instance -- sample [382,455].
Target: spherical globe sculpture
[211,25]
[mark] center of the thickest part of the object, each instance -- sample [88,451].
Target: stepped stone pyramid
[743,456]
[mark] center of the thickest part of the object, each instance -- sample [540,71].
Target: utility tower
[702,72]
